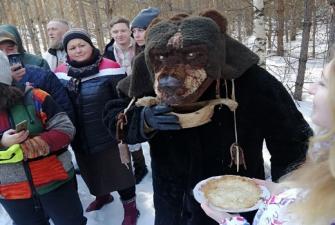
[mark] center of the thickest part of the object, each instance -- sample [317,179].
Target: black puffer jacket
[109,51]
[89,104]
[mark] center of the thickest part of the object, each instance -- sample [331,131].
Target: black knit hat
[144,18]
[76,33]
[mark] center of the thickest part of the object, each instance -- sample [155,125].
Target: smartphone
[15,60]
[23,125]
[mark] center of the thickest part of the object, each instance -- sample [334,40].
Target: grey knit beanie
[5,72]
[76,33]
[144,18]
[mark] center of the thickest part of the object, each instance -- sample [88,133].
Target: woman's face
[79,50]
[322,114]
[139,34]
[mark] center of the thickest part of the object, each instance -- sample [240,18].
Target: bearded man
[56,54]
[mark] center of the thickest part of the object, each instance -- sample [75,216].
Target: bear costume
[192,59]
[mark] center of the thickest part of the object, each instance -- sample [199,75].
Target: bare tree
[304,50]
[259,30]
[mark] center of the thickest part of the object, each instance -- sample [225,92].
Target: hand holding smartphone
[23,125]
[15,60]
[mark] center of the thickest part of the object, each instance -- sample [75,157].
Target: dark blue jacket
[48,81]
[92,136]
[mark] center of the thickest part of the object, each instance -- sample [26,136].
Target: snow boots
[99,202]
[130,212]
[139,165]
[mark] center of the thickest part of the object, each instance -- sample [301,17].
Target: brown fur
[219,19]
[9,96]
[179,17]
[187,67]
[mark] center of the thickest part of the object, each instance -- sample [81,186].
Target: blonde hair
[317,176]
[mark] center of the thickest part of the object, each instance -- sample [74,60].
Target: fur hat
[227,58]
[144,18]
[76,33]
[5,72]
[6,36]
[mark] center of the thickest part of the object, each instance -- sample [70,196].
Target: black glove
[157,118]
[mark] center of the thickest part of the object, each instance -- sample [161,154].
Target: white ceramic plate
[200,197]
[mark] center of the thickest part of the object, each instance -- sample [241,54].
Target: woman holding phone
[36,173]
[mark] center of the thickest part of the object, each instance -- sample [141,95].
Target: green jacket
[26,57]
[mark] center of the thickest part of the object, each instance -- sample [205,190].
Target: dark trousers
[175,204]
[62,205]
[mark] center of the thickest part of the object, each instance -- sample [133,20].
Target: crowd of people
[75,95]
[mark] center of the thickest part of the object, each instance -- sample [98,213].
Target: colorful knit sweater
[48,172]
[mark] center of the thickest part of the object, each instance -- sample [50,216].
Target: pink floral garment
[272,212]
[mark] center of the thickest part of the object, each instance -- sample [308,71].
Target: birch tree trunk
[44,18]
[280,27]
[82,14]
[259,31]
[304,50]
[23,30]
[97,24]
[40,27]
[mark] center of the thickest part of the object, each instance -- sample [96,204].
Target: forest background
[268,27]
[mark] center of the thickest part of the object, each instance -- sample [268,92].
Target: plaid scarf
[79,70]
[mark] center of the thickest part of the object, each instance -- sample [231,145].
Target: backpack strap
[26,110]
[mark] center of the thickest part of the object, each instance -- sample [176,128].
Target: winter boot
[139,165]
[99,202]
[130,212]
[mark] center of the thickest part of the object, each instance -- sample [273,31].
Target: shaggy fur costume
[182,158]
